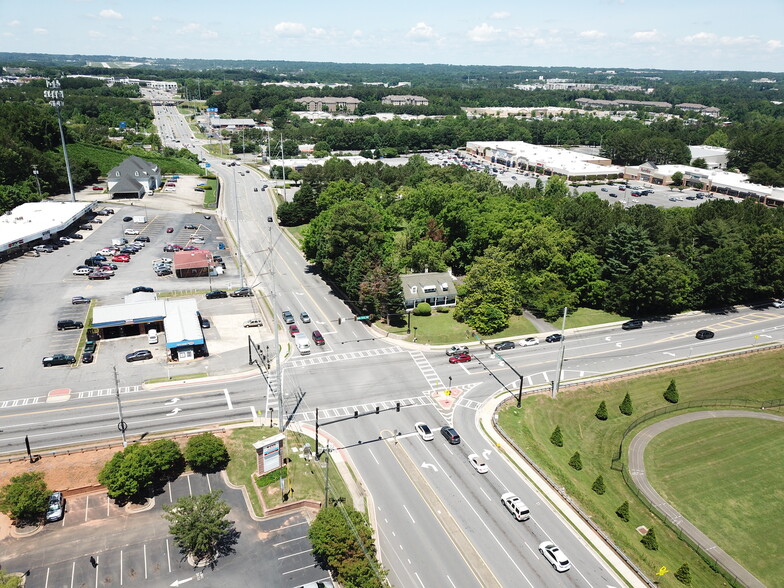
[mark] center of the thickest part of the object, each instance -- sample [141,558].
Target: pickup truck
[58,359]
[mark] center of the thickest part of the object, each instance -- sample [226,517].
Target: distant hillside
[106,159]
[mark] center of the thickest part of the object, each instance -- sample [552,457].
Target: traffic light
[356,413]
[397,407]
[378,409]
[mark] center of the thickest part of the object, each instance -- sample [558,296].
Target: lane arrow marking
[429,465]
[172,401]
[173,412]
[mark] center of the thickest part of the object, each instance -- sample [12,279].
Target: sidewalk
[485,416]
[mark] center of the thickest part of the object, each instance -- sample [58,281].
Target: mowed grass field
[736,469]
[755,377]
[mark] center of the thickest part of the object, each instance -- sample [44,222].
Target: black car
[450,435]
[142,239]
[632,324]
[87,357]
[554,338]
[80,300]
[140,355]
[142,289]
[216,294]
[76,236]
[205,323]
[704,334]
[241,292]
[89,346]
[191,227]
[503,345]
[127,219]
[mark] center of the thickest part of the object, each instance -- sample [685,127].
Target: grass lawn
[210,196]
[757,376]
[307,478]
[584,317]
[296,232]
[738,505]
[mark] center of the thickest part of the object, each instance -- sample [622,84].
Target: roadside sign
[363,318]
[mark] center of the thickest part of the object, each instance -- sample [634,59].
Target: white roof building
[38,220]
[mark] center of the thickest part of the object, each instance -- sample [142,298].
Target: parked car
[205,323]
[164,271]
[191,227]
[190,248]
[127,219]
[423,431]
[76,236]
[142,289]
[169,229]
[554,556]
[87,357]
[81,271]
[318,338]
[241,292]
[122,258]
[477,463]
[56,509]
[504,345]
[778,304]
[455,349]
[142,239]
[253,323]
[172,247]
[704,334]
[80,300]
[58,359]
[269,219]
[131,232]
[139,355]
[529,342]
[460,358]
[99,275]
[216,294]
[632,324]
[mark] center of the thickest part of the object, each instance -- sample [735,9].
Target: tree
[671,393]
[130,473]
[576,462]
[683,574]
[8,581]
[677,179]
[198,524]
[662,284]
[700,163]
[343,542]
[601,412]
[25,498]
[649,540]
[169,461]
[598,486]
[623,511]
[626,406]
[206,453]
[557,437]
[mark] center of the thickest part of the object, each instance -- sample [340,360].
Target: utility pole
[37,181]
[56,95]
[237,223]
[283,166]
[121,425]
[561,351]
[275,330]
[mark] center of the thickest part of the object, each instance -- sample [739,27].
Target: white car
[778,304]
[161,260]
[423,431]
[515,506]
[131,232]
[107,251]
[554,556]
[477,463]
[455,349]
[82,271]
[529,341]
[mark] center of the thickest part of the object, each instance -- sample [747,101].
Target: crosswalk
[430,374]
[330,358]
[33,400]
[344,411]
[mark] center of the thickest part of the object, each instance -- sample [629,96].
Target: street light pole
[121,424]
[56,95]
[283,166]
[237,222]
[37,181]
[561,351]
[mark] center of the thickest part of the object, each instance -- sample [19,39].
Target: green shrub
[442,309]
[623,511]
[576,462]
[598,485]
[25,498]
[557,437]
[168,459]
[271,477]
[671,394]
[601,412]
[683,575]
[649,540]
[422,309]
[626,406]
[206,453]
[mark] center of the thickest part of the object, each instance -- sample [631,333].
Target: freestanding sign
[269,453]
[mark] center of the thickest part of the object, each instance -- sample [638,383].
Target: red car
[191,248]
[122,258]
[318,339]
[460,358]
[293,330]
[97,188]
[170,230]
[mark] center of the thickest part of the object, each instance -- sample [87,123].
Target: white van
[152,336]
[515,506]
[302,343]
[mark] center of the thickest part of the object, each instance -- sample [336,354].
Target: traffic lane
[545,524]
[408,530]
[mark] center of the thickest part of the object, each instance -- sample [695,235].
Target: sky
[661,34]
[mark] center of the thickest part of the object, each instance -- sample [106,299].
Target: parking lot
[132,547]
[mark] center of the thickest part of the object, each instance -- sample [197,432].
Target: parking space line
[168,555]
[96,571]
[310,567]
[107,507]
[144,548]
[73,572]
[293,554]
[121,566]
[190,490]
[170,492]
[209,484]
[289,541]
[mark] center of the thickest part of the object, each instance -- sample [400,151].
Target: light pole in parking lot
[56,99]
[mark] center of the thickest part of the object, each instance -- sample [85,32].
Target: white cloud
[290,29]
[773,44]
[357,33]
[40,31]
[108,13]
[701,38]
[193,28]
[157,19]
[14,23]
[734,41]
[318,32]
[95,34]
[500,15]
[646,36]
[422,32]
[593,35]
[483,33]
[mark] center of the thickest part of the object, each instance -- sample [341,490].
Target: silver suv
[457,349]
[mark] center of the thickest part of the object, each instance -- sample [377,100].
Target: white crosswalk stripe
[427,370]
[344,411]
[329,358]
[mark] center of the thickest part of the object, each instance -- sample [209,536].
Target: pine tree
[623,511]
[576,462]
[683,575]
[598,485]
[601,412]
[626,406]
[671,394]
[649,540]
[557,437]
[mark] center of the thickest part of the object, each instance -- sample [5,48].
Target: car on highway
[216,294]
[529,342]
[254,322]
[450,435]
[554,556]
[58,359]
[304,317]
[704,334]
[604,189]
[632,324]
[673,199]
[139,355]
[504,345]
[318,338]
[478,463]
[288,318]
[460,358]
[554,338]
[56,508]
[80,300]
[454,349]
[515,506]
[141,289]
[423,431]
[242,292]
[293,330]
